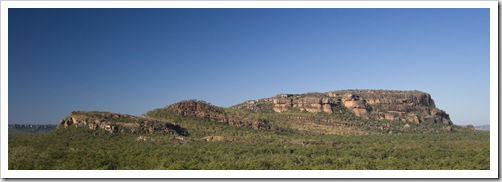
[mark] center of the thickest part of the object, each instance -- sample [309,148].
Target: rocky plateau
[407,106]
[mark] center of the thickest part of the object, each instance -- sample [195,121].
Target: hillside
[348,112]
[336,112]
[334,130]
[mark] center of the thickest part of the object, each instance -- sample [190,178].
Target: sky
[135,60]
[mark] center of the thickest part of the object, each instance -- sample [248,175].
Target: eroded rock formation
[120,123]
[408,106]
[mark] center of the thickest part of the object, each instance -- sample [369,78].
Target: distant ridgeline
[335,112]
[31,128]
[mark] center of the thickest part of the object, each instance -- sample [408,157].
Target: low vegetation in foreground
[214,145]
[383,130]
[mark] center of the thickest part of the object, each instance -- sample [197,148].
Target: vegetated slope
[255,136]
[204,110]
[230,147]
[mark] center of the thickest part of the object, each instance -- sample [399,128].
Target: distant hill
[31,128]
[483,127]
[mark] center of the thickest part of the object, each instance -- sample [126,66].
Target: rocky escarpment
[201,109]
[120,123]
[407,106]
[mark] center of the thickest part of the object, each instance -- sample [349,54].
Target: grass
[294,140]
[246,148]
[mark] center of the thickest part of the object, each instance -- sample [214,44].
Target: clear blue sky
[134,60]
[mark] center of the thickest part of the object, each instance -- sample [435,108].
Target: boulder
[447,128]
[470,128]
[214,138]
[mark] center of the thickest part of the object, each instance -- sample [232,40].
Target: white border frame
[492,173]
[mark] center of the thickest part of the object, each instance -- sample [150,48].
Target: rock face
[312,102]
[356,104]
[407,106]
[120,123]
[201,109]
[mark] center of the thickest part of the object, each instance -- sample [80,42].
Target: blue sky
[134,60]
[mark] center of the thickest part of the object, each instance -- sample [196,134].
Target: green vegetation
[401,130]
[284,146]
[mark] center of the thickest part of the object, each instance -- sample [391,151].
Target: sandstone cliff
[407,106]
[120,123]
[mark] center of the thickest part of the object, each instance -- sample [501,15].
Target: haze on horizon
[135,60]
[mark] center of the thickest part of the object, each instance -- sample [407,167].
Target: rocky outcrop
[120,123]
[214,138]
[470,128]
[356,104]
[201,109]
[410,106]
[407,106]
[312,102]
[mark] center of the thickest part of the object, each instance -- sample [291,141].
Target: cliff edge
[407,106]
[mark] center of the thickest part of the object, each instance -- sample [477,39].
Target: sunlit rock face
[119,123]
[407,106]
